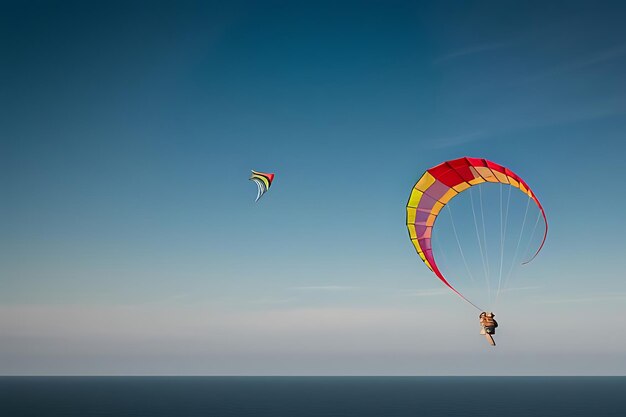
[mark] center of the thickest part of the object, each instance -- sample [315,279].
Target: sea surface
[312,396]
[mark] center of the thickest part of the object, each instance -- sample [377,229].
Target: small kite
[263,182]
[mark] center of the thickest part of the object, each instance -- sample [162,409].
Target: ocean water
[312,396]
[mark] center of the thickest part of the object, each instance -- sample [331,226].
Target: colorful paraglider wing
[439,185]
[263,182]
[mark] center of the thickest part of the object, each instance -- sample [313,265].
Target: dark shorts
[490,330]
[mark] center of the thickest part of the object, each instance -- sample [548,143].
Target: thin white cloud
[457,140]
[325,288]
[178,297]
[588,110]
[588,299]
[276,300]
[471,50]
[426,293]
[604,56]
[528,288]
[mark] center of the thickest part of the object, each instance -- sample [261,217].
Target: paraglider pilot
[488,326]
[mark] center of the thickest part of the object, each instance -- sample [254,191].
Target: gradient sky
[129,240]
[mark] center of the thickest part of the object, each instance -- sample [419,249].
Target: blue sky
[129,239]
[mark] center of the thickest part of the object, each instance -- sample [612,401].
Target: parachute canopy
[263,182]
[438,185]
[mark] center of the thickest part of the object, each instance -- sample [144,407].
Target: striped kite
[438,186]
[263,182]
